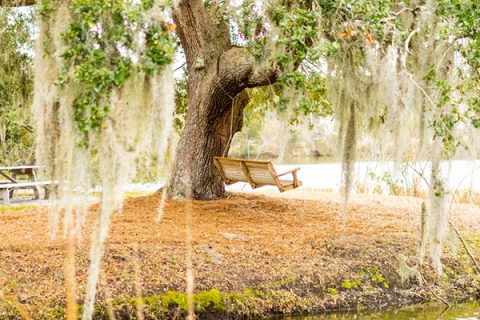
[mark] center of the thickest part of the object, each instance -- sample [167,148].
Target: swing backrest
[256,173]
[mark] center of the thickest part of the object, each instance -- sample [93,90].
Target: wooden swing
[255,172]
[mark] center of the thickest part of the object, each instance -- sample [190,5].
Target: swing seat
[256,173]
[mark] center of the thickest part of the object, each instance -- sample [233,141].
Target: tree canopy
[103,91]
[16,136]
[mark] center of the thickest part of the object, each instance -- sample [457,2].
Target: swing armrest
[293,171]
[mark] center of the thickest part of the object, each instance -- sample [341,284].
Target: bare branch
[433,292]
[470,254]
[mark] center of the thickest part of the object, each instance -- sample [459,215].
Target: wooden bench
[6,188]
[256,173]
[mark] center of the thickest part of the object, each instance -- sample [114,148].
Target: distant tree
[16,133]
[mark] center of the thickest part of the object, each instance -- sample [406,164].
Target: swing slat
[255,172]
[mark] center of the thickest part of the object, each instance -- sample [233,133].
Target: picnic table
[12,174]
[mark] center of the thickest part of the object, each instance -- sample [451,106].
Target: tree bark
[194,175]
[218,74]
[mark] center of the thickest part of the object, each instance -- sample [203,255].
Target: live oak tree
[232,46]
[379,72]
[219,72]
[387,67]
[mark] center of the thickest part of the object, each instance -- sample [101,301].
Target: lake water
[459,175]
[373,176]
[464,311]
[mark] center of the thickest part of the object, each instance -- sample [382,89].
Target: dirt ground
[283,253]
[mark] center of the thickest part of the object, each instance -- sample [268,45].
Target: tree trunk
[218,74]
[194,175]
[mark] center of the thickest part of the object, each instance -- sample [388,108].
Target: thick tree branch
[239,64]
[262,76]
[238,70]
[202,39]
[190,19]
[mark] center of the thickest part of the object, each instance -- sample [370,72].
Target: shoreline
[255,255]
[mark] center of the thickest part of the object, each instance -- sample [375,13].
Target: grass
[17,208]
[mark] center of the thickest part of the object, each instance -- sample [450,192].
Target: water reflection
[465,311]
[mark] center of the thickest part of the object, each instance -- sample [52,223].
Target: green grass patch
[17,208]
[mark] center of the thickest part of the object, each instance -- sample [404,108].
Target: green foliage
[379,279]
[8,310]
[174,302]
[462,28]
[160,50]
[312,101]
[209,300]
[375,277]
[351,284]
[250,293]
[234,297]
[298,27]
[16,134]
[392,182]
[174,299]
[16,208]
[448,113]
[463,23]
[332,291]
[181,103]
[363,281]
[100,53]
[53,314]
[168,305]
